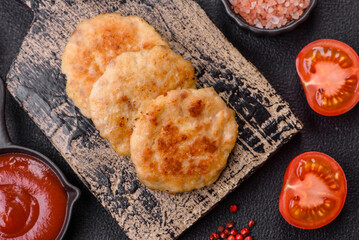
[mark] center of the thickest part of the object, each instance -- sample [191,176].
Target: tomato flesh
[314,191]
[329,73]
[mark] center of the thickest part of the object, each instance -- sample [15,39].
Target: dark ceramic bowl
[6,146]
[262,31]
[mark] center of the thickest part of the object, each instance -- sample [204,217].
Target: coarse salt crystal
[295,15]
[269,24]
[269,13]
[259,25]
[275,20]
[253,4]
[271,3]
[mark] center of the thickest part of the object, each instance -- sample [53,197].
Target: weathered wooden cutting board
[265,120]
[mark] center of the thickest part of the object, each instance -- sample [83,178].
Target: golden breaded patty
[131,80]
[183,139]
[94,43]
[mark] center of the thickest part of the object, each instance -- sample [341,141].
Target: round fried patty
[182,140]
[131,80]
[94,43]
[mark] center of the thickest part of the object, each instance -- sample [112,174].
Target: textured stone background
[257,197]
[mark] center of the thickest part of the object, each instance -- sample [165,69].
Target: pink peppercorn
[239,237]
[230,224]
[231,237]
[245,231]
[233,208]
[223,235]
[214,236]
[234,232]
[250,223]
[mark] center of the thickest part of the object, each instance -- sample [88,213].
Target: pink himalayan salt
[269,14]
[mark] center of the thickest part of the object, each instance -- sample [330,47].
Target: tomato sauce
[32,199]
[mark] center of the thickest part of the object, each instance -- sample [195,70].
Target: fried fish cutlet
[131,80]
[94,43]
[182,140]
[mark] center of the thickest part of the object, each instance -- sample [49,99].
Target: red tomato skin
[339,45]
[282,203]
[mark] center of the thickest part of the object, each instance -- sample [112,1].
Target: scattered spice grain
[233,208]
[251,223]
[239,237]
[245,231]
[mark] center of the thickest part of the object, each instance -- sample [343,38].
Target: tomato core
[33,201]
[310,192]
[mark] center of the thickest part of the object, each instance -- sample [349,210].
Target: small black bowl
[271,32]
[6,147]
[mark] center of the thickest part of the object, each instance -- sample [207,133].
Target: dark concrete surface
[257,197]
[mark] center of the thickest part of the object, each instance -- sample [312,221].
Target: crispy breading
[94,43]
[182,140]
[131,80]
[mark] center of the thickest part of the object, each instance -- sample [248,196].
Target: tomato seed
[245,232]
[234,231]
[248,238]
[251,223]
[220,229]
[230,224]
[233,208]
[239,237]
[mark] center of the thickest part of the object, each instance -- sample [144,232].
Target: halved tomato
[329,73]
[314,191]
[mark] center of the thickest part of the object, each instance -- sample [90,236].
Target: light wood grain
[265,120]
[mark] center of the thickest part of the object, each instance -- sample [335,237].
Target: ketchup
[32,199]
